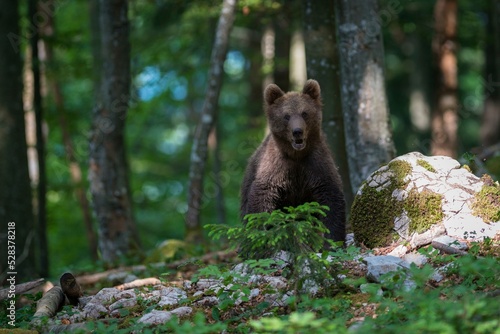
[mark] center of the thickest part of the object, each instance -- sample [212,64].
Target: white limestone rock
[416,198]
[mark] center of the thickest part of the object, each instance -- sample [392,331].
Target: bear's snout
[297,132]
[297,125]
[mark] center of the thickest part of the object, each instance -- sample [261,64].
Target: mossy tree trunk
[199,151]
[365,108]
[323,65]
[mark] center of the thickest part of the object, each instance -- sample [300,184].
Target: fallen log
[138,283]
[447,249]
[21,288]
[50,303]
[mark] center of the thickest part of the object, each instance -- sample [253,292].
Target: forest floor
[466,298]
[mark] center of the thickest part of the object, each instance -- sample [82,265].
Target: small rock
[94,310]
[399,251]
[452,242]
[123,303]
[104,296]
[418,259]
[207,301]
[276,282]
[380,265]
[156,317]
[349,239]
[420,239]
[182,311]
[207,283]
[187,285]
[310,287]
[126,294]
[440,272]
[171,296]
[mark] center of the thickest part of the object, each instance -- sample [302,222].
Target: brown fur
[293,165]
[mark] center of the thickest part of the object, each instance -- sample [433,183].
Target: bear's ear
[312,89]
[272,93]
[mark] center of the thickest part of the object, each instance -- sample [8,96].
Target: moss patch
[424,209]
[487,202]
[373,213]
[426,165]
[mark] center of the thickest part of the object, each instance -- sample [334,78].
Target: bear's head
[294,118]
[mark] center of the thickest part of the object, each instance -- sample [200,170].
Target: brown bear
[293,164]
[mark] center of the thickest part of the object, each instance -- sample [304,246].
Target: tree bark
[323,65]
[207,120]
[445,113]
[490,123]
[366,114]
[41,187]
[108,171]
[15,189]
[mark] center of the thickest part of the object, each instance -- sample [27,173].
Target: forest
[126,126]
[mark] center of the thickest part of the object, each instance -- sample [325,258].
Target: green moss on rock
[373,212]
[426,165]
[424,209]
[487,201]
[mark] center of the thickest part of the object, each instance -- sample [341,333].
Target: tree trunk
[282,40]
[47,31]
[490,125]
[445,113]
[366,114]
[207,120]
[15,191]
[323,65]
[108,171]
[41,187]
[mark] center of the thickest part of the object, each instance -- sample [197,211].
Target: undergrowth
[464,301]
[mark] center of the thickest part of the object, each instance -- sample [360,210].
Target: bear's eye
[287,117]
[304,115]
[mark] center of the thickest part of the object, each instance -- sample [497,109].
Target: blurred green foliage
[171,45]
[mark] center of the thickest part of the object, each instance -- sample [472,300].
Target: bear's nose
[297,132]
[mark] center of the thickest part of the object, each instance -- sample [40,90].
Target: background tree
[41,184]
[207,121]
[445,112]
[365,108]
[323,65]
[490,126]
[108,172]
[15,190]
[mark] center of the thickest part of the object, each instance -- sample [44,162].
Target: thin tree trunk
[48,31]
[490,125]
[366,114]
[282,40]
[207,120]
[323,65]
[108,172]
[16,210]
[41,204]
[445,113]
